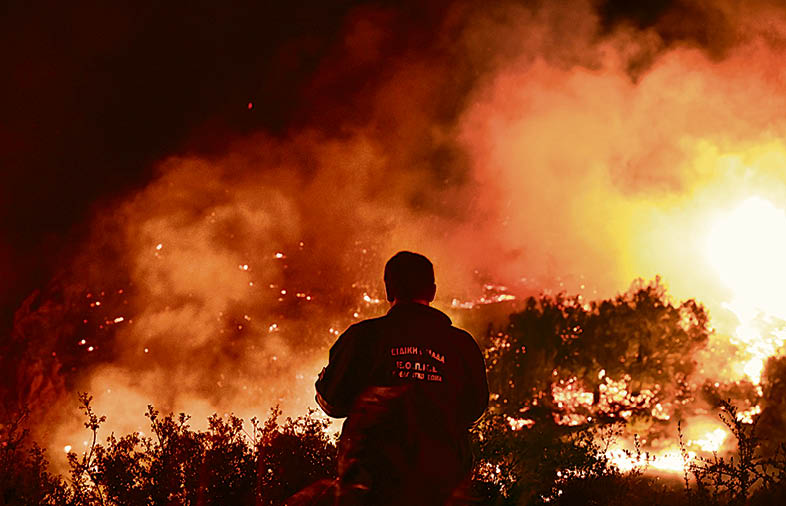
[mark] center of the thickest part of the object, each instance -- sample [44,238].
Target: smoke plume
[562,147]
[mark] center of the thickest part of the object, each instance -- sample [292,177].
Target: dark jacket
[410,385]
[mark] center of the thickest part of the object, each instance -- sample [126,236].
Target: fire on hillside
[525,151]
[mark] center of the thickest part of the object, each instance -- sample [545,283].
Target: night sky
[94,94]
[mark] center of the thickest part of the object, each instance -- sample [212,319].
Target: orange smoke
[551,165]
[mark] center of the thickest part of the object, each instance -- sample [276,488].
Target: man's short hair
[409,276]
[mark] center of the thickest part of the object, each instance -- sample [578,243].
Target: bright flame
[671,461]
[570,395]
[747,248]
[711,441]
[747,415]
[519,423]
[668,461]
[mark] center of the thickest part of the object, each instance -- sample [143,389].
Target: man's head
[409,277]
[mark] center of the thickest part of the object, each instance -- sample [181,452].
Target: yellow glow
[747,248]
[668,461]
[708,437]
[747,415]
[519,423]
[671,461]
[711,441]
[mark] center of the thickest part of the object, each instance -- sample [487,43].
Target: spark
[67,448]
[159,246]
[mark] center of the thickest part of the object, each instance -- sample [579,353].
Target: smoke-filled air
[523,149]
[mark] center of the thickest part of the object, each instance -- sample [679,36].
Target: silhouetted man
[410,385]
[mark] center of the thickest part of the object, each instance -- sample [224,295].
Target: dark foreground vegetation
[538,443]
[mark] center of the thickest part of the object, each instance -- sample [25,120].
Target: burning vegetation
[560,427]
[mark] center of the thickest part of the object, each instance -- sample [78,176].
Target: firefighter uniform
[410,385]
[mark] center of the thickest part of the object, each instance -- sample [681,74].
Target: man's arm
[341,380]
[478,389]
[328,408]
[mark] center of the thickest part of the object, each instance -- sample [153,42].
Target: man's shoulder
[365,326]
[463,337]
[461,333]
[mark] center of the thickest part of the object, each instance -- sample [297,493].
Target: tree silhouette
[632,353]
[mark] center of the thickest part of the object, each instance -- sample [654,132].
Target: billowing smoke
[553,147]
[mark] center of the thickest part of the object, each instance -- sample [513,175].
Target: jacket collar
[420,311]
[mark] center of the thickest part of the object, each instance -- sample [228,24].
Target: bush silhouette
[225,464]
[526,453]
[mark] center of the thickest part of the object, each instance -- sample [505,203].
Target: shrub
[24,478]
[226,464]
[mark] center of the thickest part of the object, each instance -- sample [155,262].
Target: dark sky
[93,94]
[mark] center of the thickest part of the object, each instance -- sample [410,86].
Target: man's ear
[389,293]
[432,292]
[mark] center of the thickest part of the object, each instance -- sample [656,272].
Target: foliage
[24,478]
[730,480]
[528,465]
[541,465]
[526,453]
[621,490]
[772,423]
[639,339]
[548,464]
[177,465]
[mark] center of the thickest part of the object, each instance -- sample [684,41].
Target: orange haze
[570,158]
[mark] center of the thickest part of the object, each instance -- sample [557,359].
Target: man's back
[410,385]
